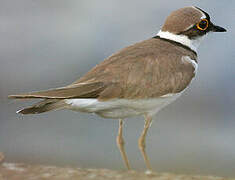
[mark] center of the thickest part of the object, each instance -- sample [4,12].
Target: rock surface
[16,171]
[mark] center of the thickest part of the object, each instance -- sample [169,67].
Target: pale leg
[120,144]
[147,124]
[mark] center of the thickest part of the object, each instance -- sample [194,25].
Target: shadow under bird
[138,80]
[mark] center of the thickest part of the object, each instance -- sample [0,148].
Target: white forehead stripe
[203,15]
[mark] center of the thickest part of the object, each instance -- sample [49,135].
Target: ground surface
[16,171]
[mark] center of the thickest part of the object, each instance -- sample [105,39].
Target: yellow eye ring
[203,24]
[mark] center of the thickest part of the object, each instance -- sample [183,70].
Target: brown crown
[181,19]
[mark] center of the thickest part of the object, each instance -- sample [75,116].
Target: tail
[43,106]
[54,98]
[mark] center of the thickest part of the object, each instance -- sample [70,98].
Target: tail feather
[43,106]
[54,98]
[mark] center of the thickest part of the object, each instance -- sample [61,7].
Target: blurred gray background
[48,44]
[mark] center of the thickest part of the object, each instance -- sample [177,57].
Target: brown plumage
[181,19]
[43,106]
[144,70]
[138,80]
[148,69]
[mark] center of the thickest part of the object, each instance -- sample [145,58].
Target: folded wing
[82,90]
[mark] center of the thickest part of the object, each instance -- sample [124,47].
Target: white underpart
[187,59]
[191,43]
[121,108]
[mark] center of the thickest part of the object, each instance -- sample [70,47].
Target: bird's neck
[191,43]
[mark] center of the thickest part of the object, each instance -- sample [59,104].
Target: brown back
[148,69]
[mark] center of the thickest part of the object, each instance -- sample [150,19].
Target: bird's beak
[215,28]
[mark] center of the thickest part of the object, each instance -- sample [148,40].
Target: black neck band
[176,43]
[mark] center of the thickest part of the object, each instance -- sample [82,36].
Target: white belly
[121,108]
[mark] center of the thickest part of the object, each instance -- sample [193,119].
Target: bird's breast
[121,108]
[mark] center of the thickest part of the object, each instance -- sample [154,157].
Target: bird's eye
[203,25]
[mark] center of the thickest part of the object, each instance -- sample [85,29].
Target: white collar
[191,43]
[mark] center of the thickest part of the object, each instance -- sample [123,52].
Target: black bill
[215,28]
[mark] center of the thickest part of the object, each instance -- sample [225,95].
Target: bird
[138,80]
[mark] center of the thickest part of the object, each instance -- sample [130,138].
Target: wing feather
[91,90]
[149,69]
